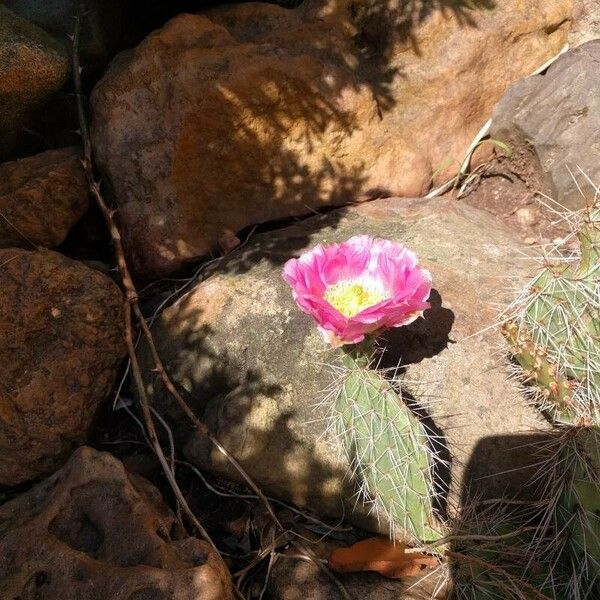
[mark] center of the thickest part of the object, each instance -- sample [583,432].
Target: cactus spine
[497,563]
[387,446]
[555,338]
[577,511]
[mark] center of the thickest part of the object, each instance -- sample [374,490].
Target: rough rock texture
[94,532]
[251,364]
[552,123]
[41,198]
[61,342]
[300,580]
[255,112]
[586,22]
[32,67]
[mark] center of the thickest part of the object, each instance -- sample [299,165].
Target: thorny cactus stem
[387,447]
[555,334]
[555,391]
[577,494]
[555,338]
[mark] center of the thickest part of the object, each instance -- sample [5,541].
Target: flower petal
[370,261]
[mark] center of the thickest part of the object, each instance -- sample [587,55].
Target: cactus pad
[388,448]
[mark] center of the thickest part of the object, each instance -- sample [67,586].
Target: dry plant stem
[131,304]
[152,435]
[203,430]
[130,298]
[482,563]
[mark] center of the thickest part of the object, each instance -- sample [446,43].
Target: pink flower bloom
[358,287]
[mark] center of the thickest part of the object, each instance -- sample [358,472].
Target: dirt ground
[517,202]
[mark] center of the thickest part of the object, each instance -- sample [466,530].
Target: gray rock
[552,124]
[251,364]
[586,22]
[41,198]
[33,66]
[293,579]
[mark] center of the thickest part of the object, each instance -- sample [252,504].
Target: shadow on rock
[516,460]
[424,338]
[252,113]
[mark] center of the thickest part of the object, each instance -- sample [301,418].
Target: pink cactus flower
[358,287]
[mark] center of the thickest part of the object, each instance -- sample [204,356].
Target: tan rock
[586,22]
[252,365]
[61,343]
[92,531]
[32,67]
[41,198]
[254,112]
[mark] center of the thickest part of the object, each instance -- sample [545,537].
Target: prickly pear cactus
[577,493]
[388,448]
[555,338]
[491,558]
[555,333]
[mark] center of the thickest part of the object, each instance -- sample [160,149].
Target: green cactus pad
[555,333]
[388,448]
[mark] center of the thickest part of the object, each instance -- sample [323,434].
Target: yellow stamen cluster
[352,296]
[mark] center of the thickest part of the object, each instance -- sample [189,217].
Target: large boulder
[32,67]
[93,531]
[252,365]
[255,112]
[61,343]
[552,124]
[41,198]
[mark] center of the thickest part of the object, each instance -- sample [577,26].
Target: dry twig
[131,305]
[130,299]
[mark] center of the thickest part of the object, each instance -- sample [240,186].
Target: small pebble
[527,216]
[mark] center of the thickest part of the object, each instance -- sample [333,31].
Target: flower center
[352,296]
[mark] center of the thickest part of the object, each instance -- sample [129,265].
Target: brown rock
[94,532]
[254,112]
[61,342]
[32,67]
[294,579]
[252,365]
[41,198]
[102,26]
[527,216]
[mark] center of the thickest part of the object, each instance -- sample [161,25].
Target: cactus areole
[354,291]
